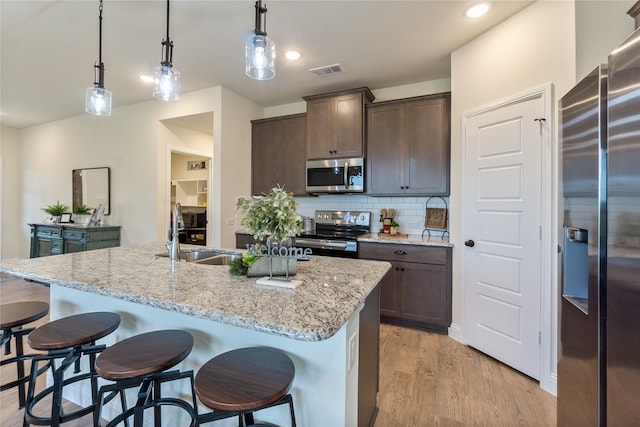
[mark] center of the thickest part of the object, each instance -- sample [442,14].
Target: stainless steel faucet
[173,243]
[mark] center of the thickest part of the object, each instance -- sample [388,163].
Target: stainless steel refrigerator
[599,364]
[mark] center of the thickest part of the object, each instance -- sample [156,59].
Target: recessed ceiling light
[292,54]
[477,10]
[147,79]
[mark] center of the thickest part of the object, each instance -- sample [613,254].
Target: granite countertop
[332,289]
[411,239]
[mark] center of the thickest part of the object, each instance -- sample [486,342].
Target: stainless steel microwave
[335,175]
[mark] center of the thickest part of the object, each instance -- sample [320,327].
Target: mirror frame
[76,197]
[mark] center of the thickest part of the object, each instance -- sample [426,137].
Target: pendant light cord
[258,30]
[167,21]
[99,82]
[167,45]
[100,33]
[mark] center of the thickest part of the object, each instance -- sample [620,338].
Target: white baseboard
[455,332]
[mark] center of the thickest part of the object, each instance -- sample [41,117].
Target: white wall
[535,47]
[10,202]
[601,26]
[133,143]
[232,161]
[179,166]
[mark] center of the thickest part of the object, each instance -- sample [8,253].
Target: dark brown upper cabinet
[408,146]
[335,123]
[278,154]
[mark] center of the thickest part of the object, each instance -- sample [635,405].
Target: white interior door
[502,229]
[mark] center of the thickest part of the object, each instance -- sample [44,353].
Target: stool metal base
[149,396]
[18,333]
[70,357]
[248,420]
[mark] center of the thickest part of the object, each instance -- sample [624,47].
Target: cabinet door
[278,154]
[264,157]
[320,133]
[349,125]
[427,146]
[291,147]
[385,164]
[74,246]
[390,294]
[49,246]
[425,298]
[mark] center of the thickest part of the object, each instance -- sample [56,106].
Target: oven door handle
[319,244]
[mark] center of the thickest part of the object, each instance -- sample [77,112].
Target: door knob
[470,243]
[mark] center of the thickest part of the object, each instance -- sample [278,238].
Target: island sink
[224,259]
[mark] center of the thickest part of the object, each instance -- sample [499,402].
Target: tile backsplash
[410,211]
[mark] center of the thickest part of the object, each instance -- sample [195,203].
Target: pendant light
[97,99]
[260,52]
[167,78]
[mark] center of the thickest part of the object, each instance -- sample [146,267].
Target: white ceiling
[48,48]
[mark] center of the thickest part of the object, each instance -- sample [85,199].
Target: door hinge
[539,337]
[540,231]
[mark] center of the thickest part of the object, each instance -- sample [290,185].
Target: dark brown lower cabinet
[369,360]
[417,290]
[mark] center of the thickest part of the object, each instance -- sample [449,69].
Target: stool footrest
[147,397]
[219,415]
[70,357]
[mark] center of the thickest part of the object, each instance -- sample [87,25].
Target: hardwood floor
[429,379]
[426,379]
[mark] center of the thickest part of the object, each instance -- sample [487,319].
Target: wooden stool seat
[143,361]
[12,317]
[245,380]
[144,354]
[20,313]
[73,331]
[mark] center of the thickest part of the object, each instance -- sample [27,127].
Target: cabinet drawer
[75,234]
[403,253]
[49,232]
[56,245]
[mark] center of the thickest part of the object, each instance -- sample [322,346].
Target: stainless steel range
[336,233]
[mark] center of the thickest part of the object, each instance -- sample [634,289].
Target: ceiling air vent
[326,70]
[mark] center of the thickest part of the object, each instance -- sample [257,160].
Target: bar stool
[143,361]
[12,318]
[67,339]
[240,382]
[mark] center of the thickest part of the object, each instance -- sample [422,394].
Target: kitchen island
[328,325]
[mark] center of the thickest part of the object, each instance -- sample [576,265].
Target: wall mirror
[91,188]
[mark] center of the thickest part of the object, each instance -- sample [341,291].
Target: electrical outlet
[353,351]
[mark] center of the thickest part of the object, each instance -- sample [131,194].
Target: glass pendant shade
[97,101]
[260,56]
[167,80]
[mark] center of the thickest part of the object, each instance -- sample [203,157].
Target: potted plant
[394,227]
[273,215]
[56,210]
[82,214]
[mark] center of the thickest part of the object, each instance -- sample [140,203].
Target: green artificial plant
[273,214]
[57,209]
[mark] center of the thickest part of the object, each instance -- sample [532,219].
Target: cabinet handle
[399,252]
